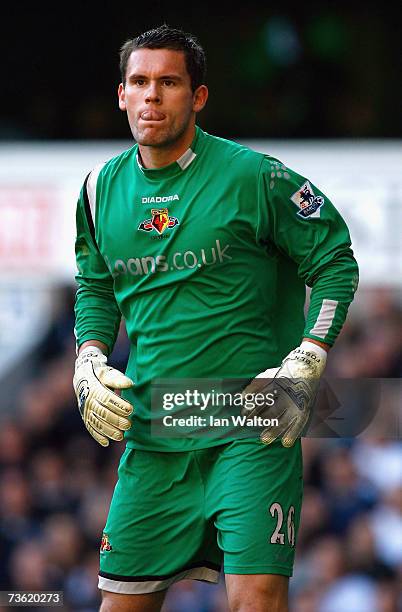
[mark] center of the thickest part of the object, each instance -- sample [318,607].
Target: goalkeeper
[205,247]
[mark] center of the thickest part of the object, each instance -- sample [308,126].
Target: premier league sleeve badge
[307,202]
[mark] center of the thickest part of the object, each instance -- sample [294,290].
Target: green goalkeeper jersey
[207,259]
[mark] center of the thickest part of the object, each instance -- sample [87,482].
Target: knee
[258,602]
[112,602]
[259,594]
[118,602]
[255,603]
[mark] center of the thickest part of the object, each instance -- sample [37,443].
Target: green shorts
[179,515]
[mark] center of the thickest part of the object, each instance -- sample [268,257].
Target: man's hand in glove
[294,385]
[103,411]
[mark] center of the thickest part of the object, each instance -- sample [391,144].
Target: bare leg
[257,592]
[119,602]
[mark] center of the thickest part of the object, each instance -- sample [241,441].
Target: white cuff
[311,346]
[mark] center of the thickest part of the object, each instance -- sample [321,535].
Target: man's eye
[168,82]
[139,82]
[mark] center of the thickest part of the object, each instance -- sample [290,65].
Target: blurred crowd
[56,484]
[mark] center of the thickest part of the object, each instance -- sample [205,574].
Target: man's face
[158,98]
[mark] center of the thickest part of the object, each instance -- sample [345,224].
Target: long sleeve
[96,310]
[305,226]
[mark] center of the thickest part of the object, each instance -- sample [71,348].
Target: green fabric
[227,498]
[221,291]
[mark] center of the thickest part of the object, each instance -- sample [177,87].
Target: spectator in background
[347,493]
[30,509]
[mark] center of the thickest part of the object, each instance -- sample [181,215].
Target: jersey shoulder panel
[277,169]
[118,162]
[235,154]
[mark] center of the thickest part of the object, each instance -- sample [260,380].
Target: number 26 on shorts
[277,536]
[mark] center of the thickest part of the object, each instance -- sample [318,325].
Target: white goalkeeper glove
[294,387]
[103,411]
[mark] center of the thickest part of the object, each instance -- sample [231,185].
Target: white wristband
[92,349]
[311,346]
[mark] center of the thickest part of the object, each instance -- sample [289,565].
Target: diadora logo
[159,199]
[159,222]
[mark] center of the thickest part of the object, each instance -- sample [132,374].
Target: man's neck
[157,157]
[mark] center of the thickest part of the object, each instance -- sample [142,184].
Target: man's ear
[122,97]
[200,98]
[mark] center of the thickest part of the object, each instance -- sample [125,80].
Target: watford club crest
[105,544]
[159,222]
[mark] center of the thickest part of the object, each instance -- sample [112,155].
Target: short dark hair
[165,37]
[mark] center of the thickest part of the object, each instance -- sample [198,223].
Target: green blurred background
[306,70]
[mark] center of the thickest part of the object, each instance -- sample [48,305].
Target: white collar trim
[184,160]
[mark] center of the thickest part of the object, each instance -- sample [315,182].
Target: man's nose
[153,93]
